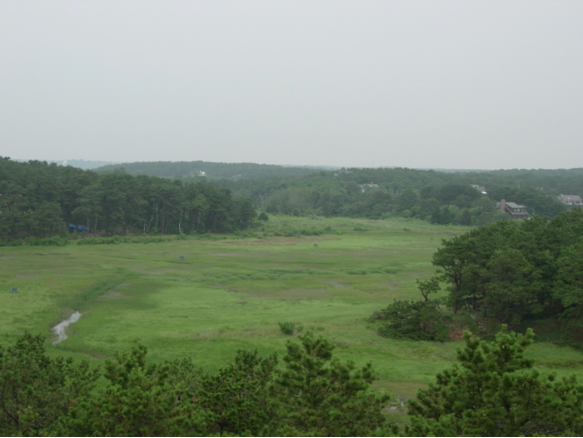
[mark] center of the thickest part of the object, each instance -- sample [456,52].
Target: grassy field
[230,293]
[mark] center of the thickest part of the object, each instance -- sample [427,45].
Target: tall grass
[206,297]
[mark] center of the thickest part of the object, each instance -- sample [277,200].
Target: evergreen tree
[495,391]
[141,400]
[35,391]
[321,396]
[239,398]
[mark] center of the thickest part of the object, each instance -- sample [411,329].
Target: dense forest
[440,197]
[491,391]
[375,193]
[504,273]
[550,181]
[40,200]
[208,170]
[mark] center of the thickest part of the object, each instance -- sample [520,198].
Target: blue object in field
[181,257]
[315,244]
[78,228]
[14,290]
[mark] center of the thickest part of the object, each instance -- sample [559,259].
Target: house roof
[513,205]
[570,198]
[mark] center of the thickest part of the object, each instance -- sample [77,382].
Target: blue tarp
[78,228]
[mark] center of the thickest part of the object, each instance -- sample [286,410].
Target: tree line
[505,273]
[39,200]
[431,195]
[551,182]
[36,198]
[438,197]
[512,272]
[190,170]
[491,391]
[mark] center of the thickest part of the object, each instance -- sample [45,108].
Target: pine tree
[495,391]
[323,396]
[35,391]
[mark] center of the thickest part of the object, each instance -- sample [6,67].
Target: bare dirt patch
[338,285]
[115,294]
[111,295]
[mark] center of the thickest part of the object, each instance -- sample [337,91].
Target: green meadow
[207,297]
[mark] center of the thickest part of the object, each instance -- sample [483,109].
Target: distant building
[343,170]
[571,201]
[370,186]
[201,173]
[516,211]
[480,189]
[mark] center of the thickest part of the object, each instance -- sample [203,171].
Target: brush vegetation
[493,390]
[205,297]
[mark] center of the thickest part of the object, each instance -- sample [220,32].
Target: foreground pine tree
[35,390]
[141,400]
[495,391]
[322,396]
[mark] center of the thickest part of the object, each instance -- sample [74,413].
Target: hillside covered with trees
[209,170]
[39,200]
[440,197]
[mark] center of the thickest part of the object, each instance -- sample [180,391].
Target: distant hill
[81,164]
[211,170]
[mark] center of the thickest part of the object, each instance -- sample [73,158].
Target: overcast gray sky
[427,84]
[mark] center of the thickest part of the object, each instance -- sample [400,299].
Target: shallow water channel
[59,329]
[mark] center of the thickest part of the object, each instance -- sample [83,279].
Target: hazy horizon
[92,165]
[453,85]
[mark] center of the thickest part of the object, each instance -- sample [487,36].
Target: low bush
[287,328]
[37,241]
[47,241]
[122,239]
[417,320]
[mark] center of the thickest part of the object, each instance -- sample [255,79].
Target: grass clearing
[230,293]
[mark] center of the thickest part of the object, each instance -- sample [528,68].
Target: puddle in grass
[59,329]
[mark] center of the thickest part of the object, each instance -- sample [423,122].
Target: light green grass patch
[231,293]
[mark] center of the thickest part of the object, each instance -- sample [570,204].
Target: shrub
[287,328]
[47,241]
[122,239]
[311,232]
[494,391]
[417,320]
